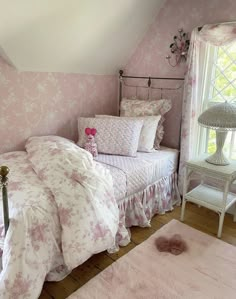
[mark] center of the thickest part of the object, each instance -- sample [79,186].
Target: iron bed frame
[148,80]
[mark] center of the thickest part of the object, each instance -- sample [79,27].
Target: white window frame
[207,91]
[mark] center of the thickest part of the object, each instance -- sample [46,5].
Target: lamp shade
[220,117]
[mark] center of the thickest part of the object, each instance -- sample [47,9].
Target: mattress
[131,175]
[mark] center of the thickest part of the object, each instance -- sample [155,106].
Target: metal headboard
[148,85]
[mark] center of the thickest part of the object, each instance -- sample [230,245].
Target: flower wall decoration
[179,48]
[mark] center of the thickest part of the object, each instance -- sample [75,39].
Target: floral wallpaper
[49,103]
[149,57]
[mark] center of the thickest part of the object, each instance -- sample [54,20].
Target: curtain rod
[231,22]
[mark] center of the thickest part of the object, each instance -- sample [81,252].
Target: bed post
[4,170]
[120,87]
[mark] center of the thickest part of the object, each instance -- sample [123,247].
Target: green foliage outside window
[212,142]
[224,74]
[223,88]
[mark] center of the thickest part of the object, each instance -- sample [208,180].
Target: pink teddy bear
[90,144]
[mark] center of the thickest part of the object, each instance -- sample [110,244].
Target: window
[219,86]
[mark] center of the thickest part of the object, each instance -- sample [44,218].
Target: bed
[64,207]
[145,185]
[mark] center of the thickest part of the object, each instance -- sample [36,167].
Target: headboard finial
[121,72]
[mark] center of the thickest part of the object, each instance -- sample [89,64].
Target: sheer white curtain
[217,35]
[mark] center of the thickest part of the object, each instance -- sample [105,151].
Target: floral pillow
[135,107]
[114,136]
[148,132]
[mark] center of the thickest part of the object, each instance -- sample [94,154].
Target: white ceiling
[76,36]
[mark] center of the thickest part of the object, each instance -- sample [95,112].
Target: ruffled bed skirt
[158,198]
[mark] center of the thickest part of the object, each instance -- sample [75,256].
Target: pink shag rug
[206,270]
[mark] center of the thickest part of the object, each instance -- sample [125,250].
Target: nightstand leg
[222,216]
[185,183]
[183,209]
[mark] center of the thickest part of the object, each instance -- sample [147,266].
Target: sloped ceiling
[75,36]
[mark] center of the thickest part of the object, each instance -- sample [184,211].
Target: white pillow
[148,132]
[116,136]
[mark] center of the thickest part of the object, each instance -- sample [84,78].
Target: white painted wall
[5,57]
[81,36]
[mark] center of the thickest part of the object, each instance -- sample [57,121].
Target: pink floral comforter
[62,210]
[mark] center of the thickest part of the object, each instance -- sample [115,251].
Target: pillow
[148,131]
[114,136]
[135,107]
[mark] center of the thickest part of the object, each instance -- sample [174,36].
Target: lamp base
[218,158]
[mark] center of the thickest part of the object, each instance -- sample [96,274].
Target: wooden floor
[199,218]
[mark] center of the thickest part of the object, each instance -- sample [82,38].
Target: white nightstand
[218,200]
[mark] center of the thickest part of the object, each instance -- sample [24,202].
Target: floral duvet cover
[62,210]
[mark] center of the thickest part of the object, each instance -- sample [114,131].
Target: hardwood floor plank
[61,289]
[45,295]
[123,250]
[140,234]
[198,218]
[101,260]
[84,273]
[211,215]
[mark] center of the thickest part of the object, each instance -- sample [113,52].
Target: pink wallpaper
[49,103]
[149,57]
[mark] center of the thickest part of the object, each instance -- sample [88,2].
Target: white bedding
[131,175]
[62,211]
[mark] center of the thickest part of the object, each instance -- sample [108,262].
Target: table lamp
[221,118]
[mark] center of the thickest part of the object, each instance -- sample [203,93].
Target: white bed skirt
[158,198]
